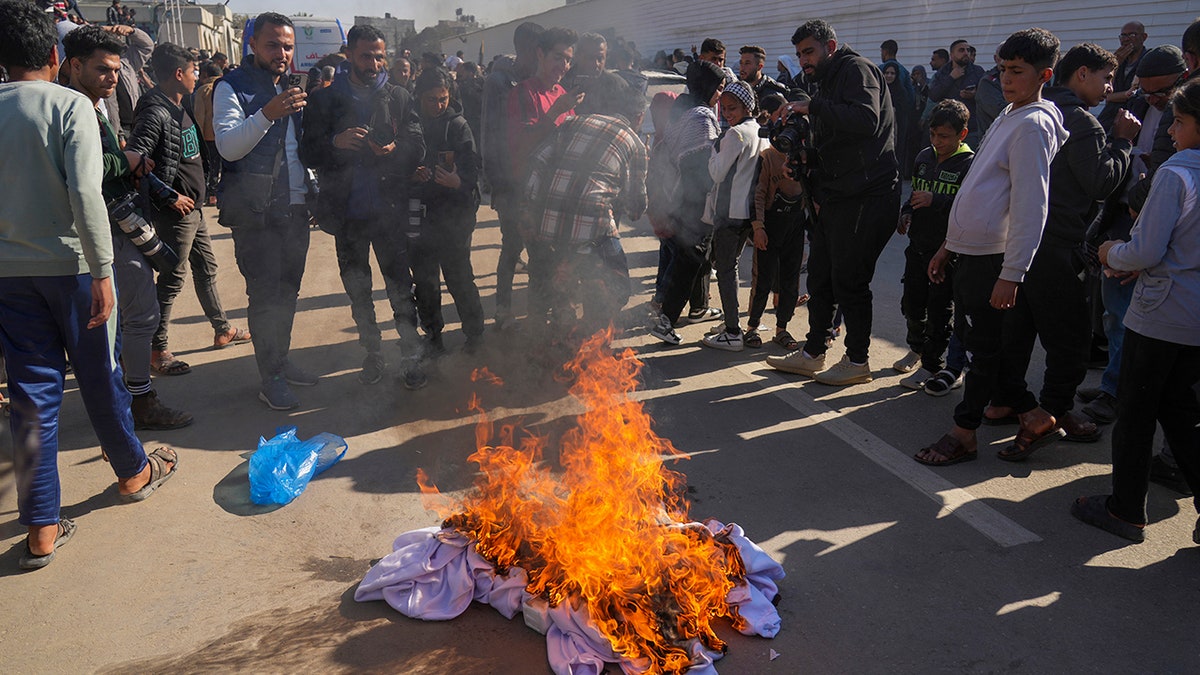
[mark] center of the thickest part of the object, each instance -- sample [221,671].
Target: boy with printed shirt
[938,173]
[995,227]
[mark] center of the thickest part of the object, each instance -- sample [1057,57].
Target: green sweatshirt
[53,221]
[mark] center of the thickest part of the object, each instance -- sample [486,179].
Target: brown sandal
[165,363]
[946,451]
[1027,442]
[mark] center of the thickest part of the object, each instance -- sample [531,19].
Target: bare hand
[760,239]
[286,103]
[921,199]
[1122,52]
[422,174]
[564,104]
[446,178]
[350,139]
[139,164]
[1128,277]
[794,108]
[1126,126]
[904,222]
[103,301]
[381,150]
[183,205]
[967,94]
[119,29]
[1102,251]
[1004,294]
[957,71]
[937,265]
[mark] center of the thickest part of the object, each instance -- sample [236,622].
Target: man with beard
[363,137]
[750,70]
[958,80]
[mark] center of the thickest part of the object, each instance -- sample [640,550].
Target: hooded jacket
[927,230]
[853,130]
[450,132]
[1084,172]
[1165,246]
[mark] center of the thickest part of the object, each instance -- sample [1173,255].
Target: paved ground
[892,567]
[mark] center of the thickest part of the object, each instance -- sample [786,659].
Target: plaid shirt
[591,168]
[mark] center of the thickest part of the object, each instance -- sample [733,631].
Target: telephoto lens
[124,213]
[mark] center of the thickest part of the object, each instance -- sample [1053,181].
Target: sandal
[29,561]
[1027,442]
[1094,511]
[946,451]
[158,473]
[232,336]
[752,339]
[803,299]
[1000,420]
[165,363]
[784,339]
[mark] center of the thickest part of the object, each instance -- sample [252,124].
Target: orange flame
[612,529]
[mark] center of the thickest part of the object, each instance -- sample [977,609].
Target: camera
[789,136]
[124,212]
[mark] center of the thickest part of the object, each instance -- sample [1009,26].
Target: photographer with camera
[363,137]
[94,59]
[857,194]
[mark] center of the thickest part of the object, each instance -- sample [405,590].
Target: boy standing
[938,173]
[995,227]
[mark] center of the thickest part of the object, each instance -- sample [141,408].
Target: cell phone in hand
[295,81]
[446,160]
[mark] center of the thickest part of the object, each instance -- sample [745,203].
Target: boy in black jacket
[937,174]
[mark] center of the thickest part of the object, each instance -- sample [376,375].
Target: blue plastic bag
[281,467]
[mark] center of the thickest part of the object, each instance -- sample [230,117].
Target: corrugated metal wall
[919,27]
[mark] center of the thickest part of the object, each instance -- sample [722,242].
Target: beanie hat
[1162,60]
[742,92]
[703,79]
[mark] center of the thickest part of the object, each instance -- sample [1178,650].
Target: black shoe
[1102,410]
[1088,394]
[1169,476]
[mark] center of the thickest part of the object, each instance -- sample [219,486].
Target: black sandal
[29,561]
[752,339]
[784,339]
[159,474]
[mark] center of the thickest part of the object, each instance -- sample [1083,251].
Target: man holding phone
[958,80]
[363,137]
[256,121]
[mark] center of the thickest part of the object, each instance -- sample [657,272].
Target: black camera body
[793,137]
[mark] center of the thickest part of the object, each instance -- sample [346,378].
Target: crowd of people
[1029,218]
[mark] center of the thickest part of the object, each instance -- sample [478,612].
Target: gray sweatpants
[137,303]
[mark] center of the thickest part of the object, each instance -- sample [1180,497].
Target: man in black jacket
[363,137]
[1053,304]
[164,130]
[856,188]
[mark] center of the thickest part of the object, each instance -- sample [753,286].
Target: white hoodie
[740,147]
[1003,202]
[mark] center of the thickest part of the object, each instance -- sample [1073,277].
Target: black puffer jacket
[157,134]
[450,132]
[853,130]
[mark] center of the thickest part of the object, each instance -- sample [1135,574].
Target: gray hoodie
[1165,246]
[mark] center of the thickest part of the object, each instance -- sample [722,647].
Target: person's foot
[373,366]
[916,380]
[299,377]
[434,346]
[1169,476]
[907,362]
[414,373]
[230,336]
[1078,428]
[1095,512]
[163,362]
[149,414]
[798,362]
[1088,394]
[663,330]
[959,445]
[702,316]
[999,415]
[1038,429]
[160,466]
[1102,409]
[504,318]
[278,395]
[942,382]
[42,541]
[725,341]
[845,372]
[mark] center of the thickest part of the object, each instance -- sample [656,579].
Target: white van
[316,37]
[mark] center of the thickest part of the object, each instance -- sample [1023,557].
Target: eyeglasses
[1128,35]
[1166,91]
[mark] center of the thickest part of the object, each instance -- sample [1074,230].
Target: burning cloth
[602,558]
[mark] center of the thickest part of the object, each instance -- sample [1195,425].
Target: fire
[611,530]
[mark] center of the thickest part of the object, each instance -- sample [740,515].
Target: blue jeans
[43,320]
[1116,299]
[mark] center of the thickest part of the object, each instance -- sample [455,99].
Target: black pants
[728,242]
[188,236]
[980,332]
[847,238]
[927,307]
[1051,305]
[1158,386]
[511,245]
[781,261]
[667,251]
[353,246]
[271,258]
[690,261]
[444,249]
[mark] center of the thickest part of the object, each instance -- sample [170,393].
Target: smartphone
[446,160]
[380,134]
[295,81]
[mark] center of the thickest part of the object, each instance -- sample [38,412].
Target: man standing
[750,71]
[591,55]
[56,290]
[93,56]
[1129,55]
[857,190]
[113,15]
[363,137]
[958,80]
[202,107]
[256,119]
[165,132]
[507,73]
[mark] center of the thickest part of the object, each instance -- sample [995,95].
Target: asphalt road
[892,566]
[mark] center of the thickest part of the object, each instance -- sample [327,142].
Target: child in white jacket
[733,166]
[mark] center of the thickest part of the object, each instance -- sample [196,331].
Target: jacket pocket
[1151,292]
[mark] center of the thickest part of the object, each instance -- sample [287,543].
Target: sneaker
[726,341]
[917,379]
[278,395]
[702,316]
[1102,409]
[798,362]
[1088,394]
[372,369]
[663,330]
[414,374]
[298,376]
[230,336]
[149,414]
[943,382]
[907,363]
[1169,476]
[843,373]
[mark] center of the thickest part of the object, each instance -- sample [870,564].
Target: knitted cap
[742,92]
[1162,60]
[703,78]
